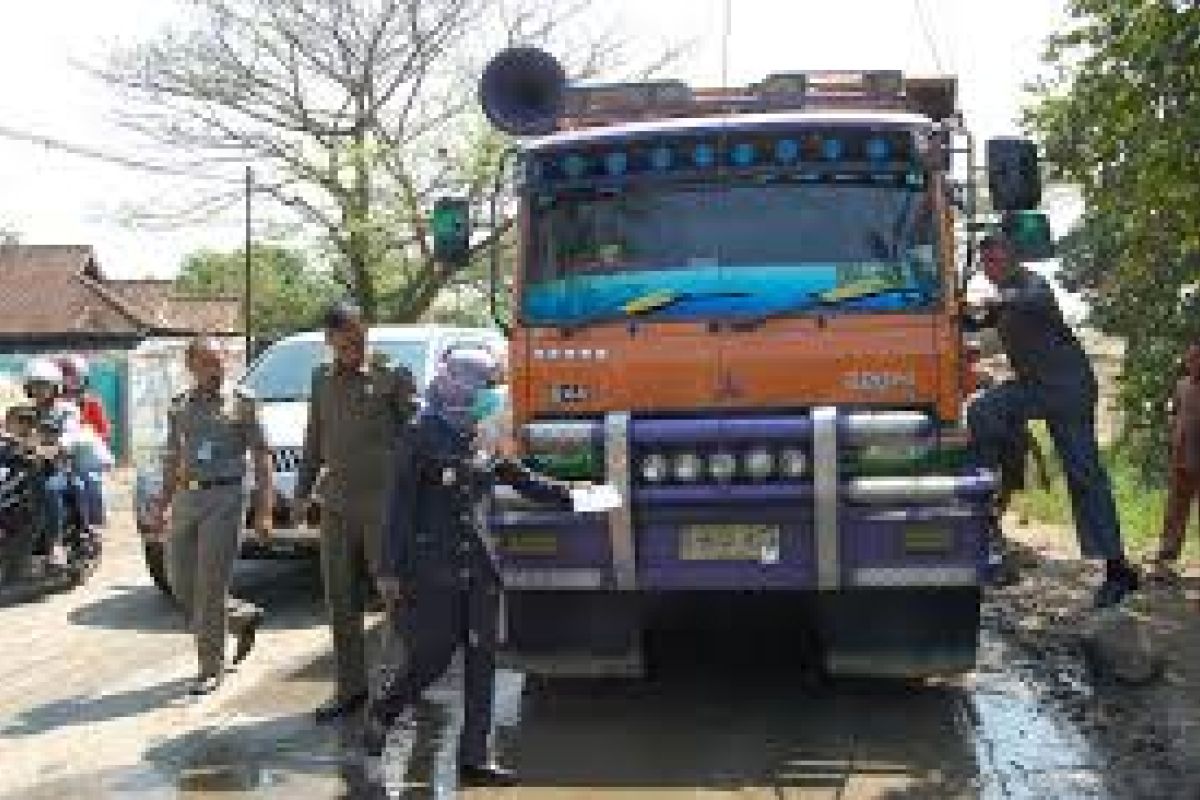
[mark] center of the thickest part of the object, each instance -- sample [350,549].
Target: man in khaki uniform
[209,431]
[358,414]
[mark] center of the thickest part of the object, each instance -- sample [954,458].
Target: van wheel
[156,565]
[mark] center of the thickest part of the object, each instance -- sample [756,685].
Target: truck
[743,308]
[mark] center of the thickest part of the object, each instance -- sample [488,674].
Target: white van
[280,380]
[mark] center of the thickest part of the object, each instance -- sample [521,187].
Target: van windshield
[284,373]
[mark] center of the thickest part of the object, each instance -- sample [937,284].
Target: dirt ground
[93,706]
[1149,735]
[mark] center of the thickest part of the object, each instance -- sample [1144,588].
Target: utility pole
[246,291]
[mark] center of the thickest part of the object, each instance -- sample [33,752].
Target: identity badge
[205,451]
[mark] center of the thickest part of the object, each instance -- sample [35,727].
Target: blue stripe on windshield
[766,289]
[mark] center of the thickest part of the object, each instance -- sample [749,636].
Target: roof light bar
[588,105]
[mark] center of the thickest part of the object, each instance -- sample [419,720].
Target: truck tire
[156,565]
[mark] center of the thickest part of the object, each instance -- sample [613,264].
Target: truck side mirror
[1029,232]
[451,224]
[1014,180]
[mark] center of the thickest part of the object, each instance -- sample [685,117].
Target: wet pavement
[92,705]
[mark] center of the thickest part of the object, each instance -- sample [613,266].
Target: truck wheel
[156,565]
[900,633]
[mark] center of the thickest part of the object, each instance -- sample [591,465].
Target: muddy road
[93,705]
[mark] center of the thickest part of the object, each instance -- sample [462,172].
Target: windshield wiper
[657,301]
[838,296]
[649,303]
[828,298]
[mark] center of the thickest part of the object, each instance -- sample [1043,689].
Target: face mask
[487,403]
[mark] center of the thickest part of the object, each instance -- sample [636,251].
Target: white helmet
[43,370]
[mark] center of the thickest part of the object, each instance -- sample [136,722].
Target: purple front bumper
[882,531]
[872,543]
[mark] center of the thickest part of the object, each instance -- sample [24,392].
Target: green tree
[1117,116]
[287,293]
[356,114]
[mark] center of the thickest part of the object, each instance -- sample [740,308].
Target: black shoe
[246,636]
[1007,573]
[374,737]
[1118,583]
[205,684]
[340,707]
[485,775]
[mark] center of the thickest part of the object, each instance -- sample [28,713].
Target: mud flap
[899,633]
[579,633]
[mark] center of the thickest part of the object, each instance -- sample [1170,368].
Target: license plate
[531,543]
[730,543]
[928,538]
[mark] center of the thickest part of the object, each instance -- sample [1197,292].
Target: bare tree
[354,111]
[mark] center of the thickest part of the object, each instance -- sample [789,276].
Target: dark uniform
[355,422]
[438,548]
[208,436]
[1054,382]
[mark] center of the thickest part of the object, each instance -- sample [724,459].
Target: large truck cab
[742,308]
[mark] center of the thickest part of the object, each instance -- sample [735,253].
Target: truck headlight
[722,466]
[655,468]
[793,463]
[759,464]
[687,467]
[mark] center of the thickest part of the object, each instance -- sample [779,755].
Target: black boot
[490,774]
[340,707]
[1119,580]
[246,636]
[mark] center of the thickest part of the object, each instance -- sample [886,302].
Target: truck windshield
[740,250]
[284,373]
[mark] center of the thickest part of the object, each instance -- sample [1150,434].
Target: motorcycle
[27,473]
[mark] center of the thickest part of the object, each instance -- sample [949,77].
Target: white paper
[596,499]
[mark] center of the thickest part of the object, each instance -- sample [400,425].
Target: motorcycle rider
[94,419]
[53,418]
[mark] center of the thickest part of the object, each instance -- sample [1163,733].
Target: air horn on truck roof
[524,92]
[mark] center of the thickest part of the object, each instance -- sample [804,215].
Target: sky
[51,197]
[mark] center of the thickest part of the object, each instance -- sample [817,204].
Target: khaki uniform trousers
[206,525]
[349,563]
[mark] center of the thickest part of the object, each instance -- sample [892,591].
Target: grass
[1140,506]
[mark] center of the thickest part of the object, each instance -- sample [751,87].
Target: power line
[728,22]
[83,151]
[929,38]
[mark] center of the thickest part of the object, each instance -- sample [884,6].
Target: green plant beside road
[1140,504]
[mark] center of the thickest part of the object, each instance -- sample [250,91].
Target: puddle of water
[1024,750]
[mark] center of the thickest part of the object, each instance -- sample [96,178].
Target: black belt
[211,483]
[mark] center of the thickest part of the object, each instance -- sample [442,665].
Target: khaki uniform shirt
[355,421]
[208,435]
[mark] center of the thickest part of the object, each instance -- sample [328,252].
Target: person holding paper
[438,567]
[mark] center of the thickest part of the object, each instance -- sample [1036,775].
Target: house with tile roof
[55,299]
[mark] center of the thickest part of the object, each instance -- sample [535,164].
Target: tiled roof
[59,290]
[158,300]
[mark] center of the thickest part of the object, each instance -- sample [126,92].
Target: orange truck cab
[742,308]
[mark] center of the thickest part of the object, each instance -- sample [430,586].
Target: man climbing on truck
[1054,382]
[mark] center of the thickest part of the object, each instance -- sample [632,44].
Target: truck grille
[285,459]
